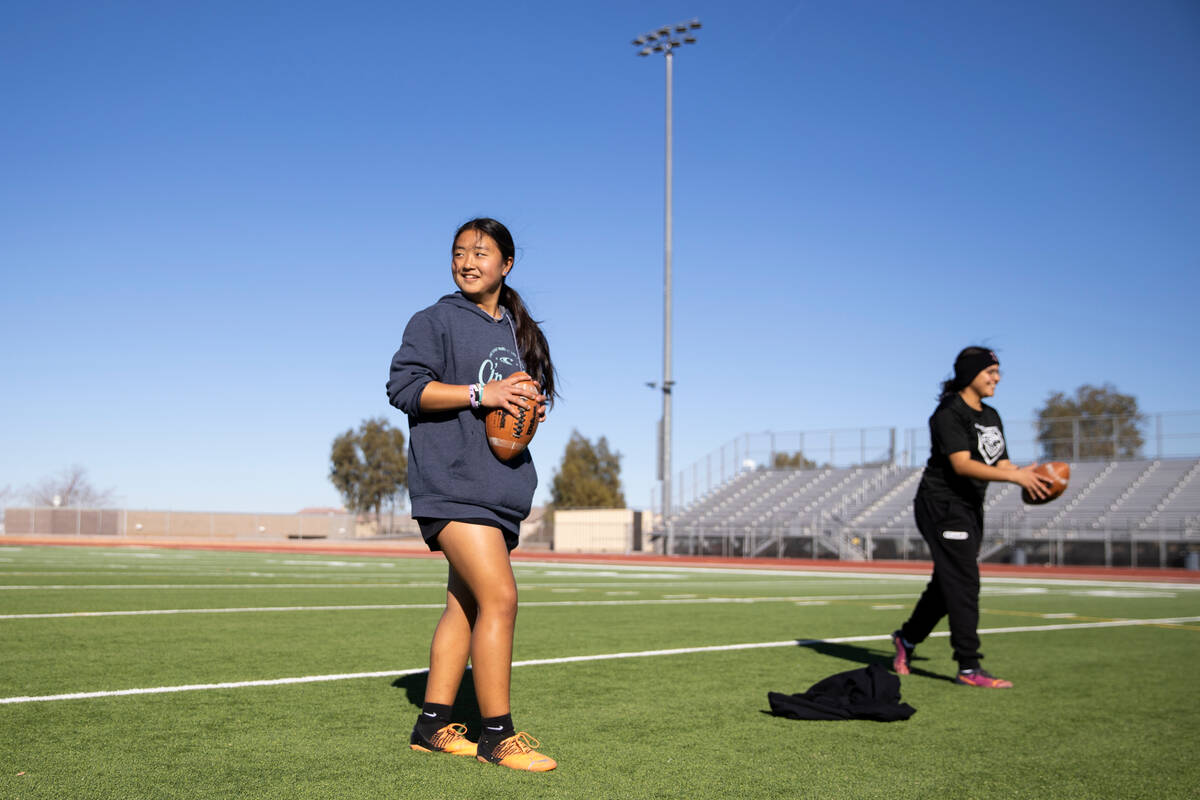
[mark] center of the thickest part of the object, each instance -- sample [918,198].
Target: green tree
[588,477]
[796,460]
[1098,422]
[369,466]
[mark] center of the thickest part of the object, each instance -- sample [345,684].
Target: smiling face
[984,384]
[478,266]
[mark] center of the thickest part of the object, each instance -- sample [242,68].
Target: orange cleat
[450,739]
[517,752]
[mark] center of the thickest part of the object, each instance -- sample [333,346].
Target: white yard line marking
[871,576]
[1119,593]
[263,609]
[671,574]
[432,584]
[577,659]
[561,567]
[666,601]
[205,686]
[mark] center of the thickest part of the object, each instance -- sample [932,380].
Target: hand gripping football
[1058,472]
[509,434]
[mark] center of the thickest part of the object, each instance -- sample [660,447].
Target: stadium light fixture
[665,40]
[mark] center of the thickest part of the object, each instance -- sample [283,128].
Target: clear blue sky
[216,218]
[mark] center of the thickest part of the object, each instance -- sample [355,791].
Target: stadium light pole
[665,40]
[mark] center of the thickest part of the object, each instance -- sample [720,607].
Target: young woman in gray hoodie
[459,358]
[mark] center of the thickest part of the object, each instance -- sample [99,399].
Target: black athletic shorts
[431,527]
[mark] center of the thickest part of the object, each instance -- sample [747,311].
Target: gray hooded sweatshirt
[452,473]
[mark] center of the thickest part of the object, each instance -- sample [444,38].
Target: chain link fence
[175,524]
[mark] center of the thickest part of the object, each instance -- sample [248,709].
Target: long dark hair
[535,351]
[950,386]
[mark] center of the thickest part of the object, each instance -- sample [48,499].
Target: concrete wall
[598,530]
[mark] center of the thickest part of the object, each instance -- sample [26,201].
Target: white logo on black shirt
[991,442]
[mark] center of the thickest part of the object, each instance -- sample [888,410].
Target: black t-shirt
[954,427]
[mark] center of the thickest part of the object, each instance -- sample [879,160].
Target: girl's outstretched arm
[1025,477]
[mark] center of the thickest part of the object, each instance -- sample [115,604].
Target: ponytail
[531,342]
[948,390]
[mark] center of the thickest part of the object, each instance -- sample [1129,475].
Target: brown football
[1056,471]
[509,434]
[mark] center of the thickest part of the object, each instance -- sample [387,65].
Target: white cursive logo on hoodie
[499,364]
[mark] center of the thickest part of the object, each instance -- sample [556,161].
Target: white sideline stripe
[666,601]
[1119,623]
[583,570]
[410,606]
[390,585]
[195,687]
[845,640]
[828,574]
[168,611]
[832,574]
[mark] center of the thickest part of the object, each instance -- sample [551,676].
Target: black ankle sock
[433,717]
[493,730]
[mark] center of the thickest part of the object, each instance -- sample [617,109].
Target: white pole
[666,385]
[665,40]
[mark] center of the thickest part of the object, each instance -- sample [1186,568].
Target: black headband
[966,367]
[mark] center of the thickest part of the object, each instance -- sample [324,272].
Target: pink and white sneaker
[981,678]
[903,655]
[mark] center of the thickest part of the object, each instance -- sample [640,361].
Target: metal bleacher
[845,512]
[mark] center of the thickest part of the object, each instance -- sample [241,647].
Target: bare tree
[71,488]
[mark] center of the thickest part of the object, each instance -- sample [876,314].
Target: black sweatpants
[954,532]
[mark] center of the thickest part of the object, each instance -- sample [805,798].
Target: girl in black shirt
[967,451]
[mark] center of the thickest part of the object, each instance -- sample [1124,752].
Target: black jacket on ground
[868,693]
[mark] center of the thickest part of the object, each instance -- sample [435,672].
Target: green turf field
[1098,710]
